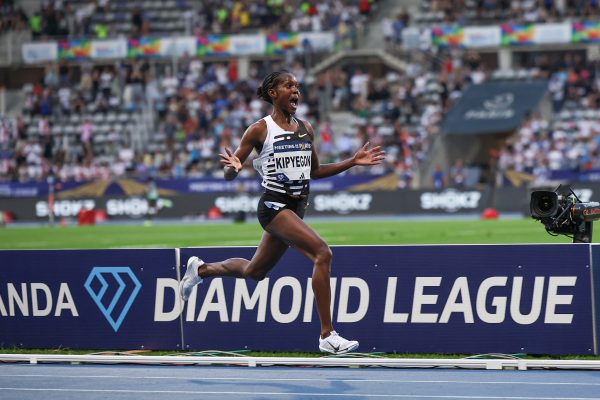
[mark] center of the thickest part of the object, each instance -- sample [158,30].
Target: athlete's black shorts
[272,203]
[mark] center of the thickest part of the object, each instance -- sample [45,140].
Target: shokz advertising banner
[534,299]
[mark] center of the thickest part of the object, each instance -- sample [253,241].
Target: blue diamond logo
[113,289]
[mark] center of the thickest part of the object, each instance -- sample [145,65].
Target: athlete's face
[287,94]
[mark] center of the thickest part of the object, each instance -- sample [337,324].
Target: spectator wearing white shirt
[64,98]
[86,131]
[169,84]
[359,84]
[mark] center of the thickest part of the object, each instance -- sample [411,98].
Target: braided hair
[270,81]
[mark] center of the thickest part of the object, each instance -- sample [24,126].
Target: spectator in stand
[101,30]
[35,24]
[86,136]
[398,24]
[137,21]
[405,175]
[6,135]
[359,85]
[83,16]
[439,179]
[458,174]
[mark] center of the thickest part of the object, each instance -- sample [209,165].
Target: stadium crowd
[204,107]
[477,12]
[12,18]
[570,141]
[218,16]
[109,18]
[82,121]
[200,109]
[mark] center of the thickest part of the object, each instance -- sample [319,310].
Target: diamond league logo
[113,289]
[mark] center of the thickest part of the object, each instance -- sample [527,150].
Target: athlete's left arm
[364,156]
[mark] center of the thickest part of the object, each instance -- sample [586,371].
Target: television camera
[562,212]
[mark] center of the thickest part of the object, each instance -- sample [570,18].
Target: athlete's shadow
[307,387]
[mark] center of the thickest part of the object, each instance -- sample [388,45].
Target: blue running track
[83,382]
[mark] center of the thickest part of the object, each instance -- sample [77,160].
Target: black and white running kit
[284,163]
[285,159]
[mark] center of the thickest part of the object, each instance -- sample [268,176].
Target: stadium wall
[535,299]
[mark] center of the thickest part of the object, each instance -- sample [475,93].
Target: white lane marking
[297,379]
[412,396]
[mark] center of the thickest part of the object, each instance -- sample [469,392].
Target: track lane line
[413,396]
[245,379]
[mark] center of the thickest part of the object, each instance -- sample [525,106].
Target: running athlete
[287,160]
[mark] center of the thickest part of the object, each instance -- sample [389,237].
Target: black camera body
[562,212]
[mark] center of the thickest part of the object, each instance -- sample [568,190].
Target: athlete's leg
[269,251]
[292,230]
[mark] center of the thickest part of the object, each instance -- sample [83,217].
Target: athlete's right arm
[254,137]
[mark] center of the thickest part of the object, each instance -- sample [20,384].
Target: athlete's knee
[256,274]
[324,254]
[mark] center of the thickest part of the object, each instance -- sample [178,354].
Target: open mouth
[294,102]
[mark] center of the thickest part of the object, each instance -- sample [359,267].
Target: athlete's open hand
[230,160]
[366,156]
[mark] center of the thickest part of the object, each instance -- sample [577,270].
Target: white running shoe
[191,277]
[336,344]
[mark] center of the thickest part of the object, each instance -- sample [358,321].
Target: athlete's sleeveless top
[285,159]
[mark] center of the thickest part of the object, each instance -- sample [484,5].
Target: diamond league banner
[533,299]
[91,299]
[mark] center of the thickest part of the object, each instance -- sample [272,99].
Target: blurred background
[118,109]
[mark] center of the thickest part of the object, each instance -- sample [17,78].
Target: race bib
[292,160]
